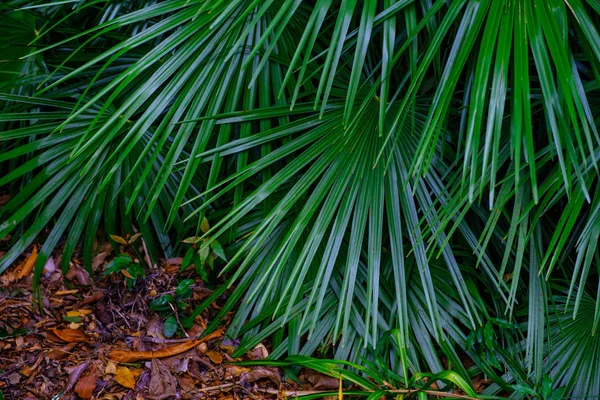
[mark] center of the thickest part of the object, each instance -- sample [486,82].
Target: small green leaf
[216,247]
[187,323]
[187,259]
[183,289]
[558,393]
[470,340]
[136,270]
[203,254]
[546,387]
[161,303]
[170,326]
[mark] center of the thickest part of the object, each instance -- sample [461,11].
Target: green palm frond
[391,178]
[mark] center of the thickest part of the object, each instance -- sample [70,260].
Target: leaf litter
[96,339]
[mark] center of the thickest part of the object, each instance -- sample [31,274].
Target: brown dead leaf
[111,368]
[29,263]
[70,335]
[75,373]
[259,352]
[96,296]
[162,383]
[124,356]
[26,370]
[100,257]
[125,378]
[86,384]
[318,381]
[215,357]
[62,353]
[261,373]
[127,274]
[66,292]
[76,272]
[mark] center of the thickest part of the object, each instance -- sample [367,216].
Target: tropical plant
[387,177]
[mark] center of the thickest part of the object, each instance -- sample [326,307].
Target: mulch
[95,338]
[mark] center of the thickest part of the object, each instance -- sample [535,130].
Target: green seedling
[170,307]
[130,268]
[203,253]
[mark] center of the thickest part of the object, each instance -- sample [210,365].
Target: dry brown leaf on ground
[76,272]
[70,335]
[259,352]
[261,373]
[162,383]
[62,353]
[317,381]
[124,377]
[87,383]
[29,263]
[215,357]
[124,356]
[75,373]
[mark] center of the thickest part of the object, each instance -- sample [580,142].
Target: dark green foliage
[401,182]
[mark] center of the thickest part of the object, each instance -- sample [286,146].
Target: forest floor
[95,338]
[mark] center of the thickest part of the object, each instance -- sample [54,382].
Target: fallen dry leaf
[127,274]
[65,292]
[49,267]
[111,368]
[125,378]
[99,259]
[215,357]
[162,383]
[29,263]
[261,373]
[76,272]
[75,373]
[86,384]
[124,356]
[70,335]
[259,352]
[59,354]
[318,381]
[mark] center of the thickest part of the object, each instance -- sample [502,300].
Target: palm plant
[399,182]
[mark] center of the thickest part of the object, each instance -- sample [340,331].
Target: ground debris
[98,339]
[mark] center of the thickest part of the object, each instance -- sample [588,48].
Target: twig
[152,266]
[177,319]
[218,387]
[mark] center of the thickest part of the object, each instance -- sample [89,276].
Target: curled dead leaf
[29,263]
[317,381]
[261,373]
[124,356]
